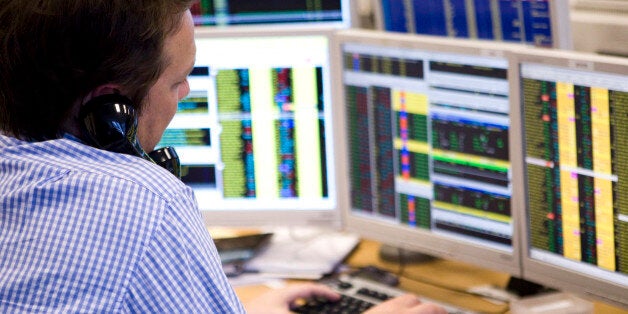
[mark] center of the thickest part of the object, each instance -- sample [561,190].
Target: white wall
[600,26]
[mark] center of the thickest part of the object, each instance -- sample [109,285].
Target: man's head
[56,54]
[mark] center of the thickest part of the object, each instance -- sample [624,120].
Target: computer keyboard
[358,295]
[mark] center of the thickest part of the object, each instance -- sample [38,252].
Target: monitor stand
[516,289]
[523,288]
[393,254]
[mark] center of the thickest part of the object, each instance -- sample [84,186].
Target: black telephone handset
[109,122]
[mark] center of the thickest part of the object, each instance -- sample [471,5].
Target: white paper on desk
[303,253]
[254,279]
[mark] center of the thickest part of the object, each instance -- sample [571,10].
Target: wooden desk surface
[446,273]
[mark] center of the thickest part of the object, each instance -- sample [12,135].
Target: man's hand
[278,301]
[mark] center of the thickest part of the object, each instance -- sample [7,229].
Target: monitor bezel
[535,270]
[415,239]
[273,217]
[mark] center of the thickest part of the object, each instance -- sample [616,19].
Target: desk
[450,273]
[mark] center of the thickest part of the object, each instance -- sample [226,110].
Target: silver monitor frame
[416,239]
[554,274]
[559,17]
[347,8]
[272,217]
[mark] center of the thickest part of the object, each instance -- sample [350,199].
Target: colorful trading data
[523,21]
[428,141]
[576,124]
[254,131]
[245,12]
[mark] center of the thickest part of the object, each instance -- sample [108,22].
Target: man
[83,229]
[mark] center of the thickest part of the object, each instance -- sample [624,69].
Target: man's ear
[71,124]
[102,90]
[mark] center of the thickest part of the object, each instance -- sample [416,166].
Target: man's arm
[180,271]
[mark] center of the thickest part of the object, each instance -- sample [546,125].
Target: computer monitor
[256,134]
[333,13]
[535,22]
[572,124]
[426,124]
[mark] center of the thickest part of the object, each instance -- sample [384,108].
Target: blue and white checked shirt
[85,230]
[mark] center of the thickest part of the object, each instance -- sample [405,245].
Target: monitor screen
[574,120]
[427,145]
[255,134]
[536,22]
[247,12]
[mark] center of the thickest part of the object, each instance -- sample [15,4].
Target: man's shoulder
[132,169]
[69,158]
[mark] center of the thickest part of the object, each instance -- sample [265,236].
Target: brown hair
[54,52]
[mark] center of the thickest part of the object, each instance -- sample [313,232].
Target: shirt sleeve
[180,271]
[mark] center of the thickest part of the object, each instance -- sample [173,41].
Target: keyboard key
[346,304]
[374,294]
[359,294]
